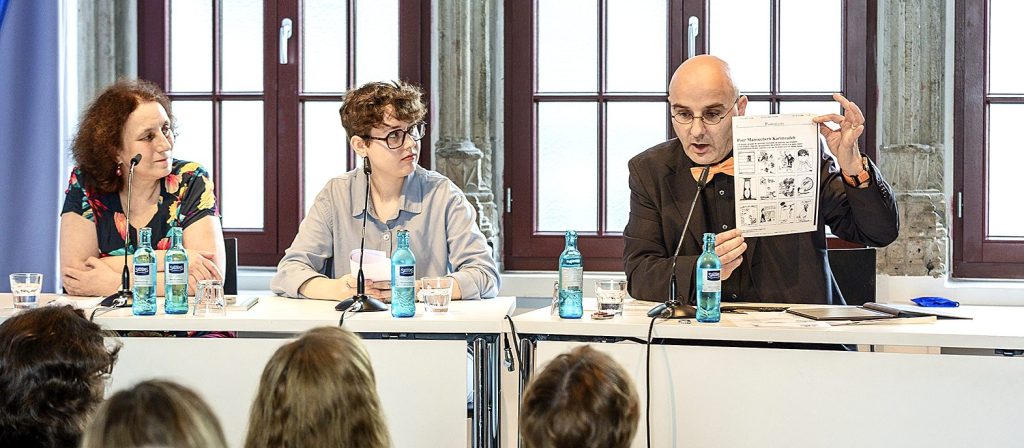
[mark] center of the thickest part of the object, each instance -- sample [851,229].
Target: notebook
[868,311]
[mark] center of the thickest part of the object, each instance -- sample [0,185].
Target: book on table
[868,311]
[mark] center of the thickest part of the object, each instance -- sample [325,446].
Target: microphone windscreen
[136,159]
[366,166]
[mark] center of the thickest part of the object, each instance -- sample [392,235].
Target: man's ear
[741,106]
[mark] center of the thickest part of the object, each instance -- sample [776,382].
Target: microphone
[124,297]
[360,301]
[673,308]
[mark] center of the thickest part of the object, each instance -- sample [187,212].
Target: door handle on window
[692,29]
[283,34]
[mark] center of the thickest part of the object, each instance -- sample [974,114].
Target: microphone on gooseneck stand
[123,297]
[673,308]
[360,301]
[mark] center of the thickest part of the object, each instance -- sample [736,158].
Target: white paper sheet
[776,171]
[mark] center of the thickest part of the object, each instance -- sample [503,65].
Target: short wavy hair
[100,134]
[581,398]
[154,413]
[53,365]
[364,107]
[319,390]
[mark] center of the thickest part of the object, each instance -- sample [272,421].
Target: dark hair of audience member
[100,136]
[318,391]
[53,368]
[154,413]
[581,398]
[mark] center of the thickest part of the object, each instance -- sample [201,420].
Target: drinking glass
[610,295]
[436,293]
[209,298]
[25,288]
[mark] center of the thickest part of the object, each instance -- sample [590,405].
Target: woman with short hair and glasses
[384,123]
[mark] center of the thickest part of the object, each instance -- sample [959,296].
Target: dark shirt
[786,268]
[186,196]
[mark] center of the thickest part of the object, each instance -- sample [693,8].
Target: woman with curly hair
[132,118]
[318,391]
[384,124]
[154,413]
[53,369]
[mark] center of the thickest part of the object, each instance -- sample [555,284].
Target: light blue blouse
[443,234]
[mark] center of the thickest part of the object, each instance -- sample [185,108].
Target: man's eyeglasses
[395,139]
[710,118]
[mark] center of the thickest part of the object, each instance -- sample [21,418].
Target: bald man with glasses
[854,200]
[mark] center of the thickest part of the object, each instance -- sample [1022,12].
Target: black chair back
[854,271]
[231,274]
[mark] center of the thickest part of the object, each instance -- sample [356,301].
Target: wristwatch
[862,177]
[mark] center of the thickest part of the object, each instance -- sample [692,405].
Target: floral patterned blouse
[186,196]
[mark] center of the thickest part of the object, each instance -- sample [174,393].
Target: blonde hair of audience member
[581,398]
[154,413]
[318,391]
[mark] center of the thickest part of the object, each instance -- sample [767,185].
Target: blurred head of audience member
[154,413]
[318,391]
[581,398]
[101,148]
[53,370]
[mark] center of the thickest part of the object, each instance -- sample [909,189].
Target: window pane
[241,46]
[567,167]
[632,128]
[195,132]
[809,107]
[810,45]
[191,45]
[1005,36]
[739,33]
[376,40]
[637,45]
[242,169]
[1005,157]
[567,46]
[324,148]
[324,46]
[757,108]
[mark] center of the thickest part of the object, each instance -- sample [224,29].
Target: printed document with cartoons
[776,169]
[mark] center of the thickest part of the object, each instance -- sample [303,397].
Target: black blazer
[787,269]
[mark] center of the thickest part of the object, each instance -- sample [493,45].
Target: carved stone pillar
[468,103]
[911,71]
[107,45]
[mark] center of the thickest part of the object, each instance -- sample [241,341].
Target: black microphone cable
[647,388]
[510,365]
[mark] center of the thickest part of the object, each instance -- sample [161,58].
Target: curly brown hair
[581,398]
[52,367]
[100,133]
[364,107]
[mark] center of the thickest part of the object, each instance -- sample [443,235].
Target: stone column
[468,103]
[108,45]
[912,118]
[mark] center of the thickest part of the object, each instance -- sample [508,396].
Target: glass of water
[209,298]
[611,293]
[436,293]
[25,288]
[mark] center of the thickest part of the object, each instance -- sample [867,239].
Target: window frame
[526,249]
[283,150]
[974,254]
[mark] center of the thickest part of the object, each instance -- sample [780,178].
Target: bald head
[703,99]
[706,72]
